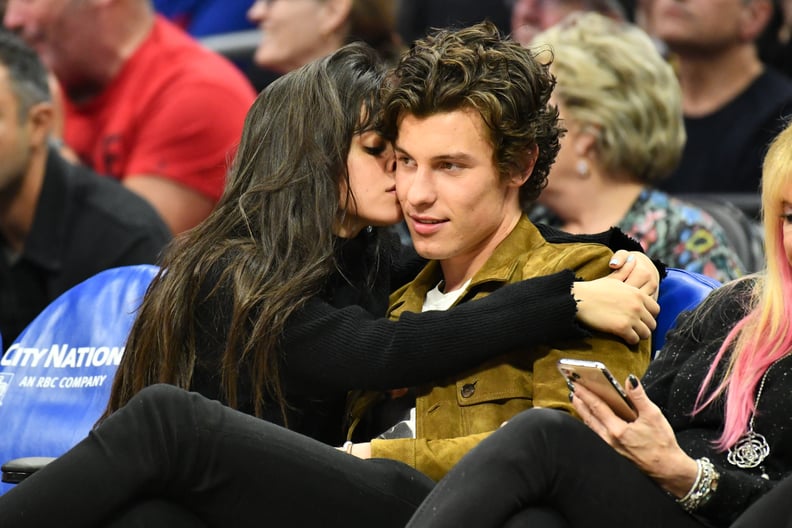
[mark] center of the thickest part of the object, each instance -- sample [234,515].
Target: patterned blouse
[675,232]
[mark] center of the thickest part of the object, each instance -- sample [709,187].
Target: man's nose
[421,190]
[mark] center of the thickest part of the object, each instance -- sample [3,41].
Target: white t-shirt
[435,300]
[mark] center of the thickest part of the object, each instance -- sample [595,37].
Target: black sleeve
[613,238]
[406,267]
[699,331]
[409,263]
[736,491]
[331,349]
[662,371]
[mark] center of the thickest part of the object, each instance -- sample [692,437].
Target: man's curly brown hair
[477,68]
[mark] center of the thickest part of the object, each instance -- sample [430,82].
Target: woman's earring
[582,168]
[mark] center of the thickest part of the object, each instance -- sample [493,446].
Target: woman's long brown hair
[268,246]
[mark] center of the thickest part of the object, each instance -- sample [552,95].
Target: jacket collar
[524,238]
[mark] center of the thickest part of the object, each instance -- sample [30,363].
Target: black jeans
[171,454]
[773,510]
[545,461]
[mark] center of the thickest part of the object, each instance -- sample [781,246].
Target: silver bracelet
[703,487]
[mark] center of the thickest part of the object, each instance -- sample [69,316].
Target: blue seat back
[55,379]
[680,290]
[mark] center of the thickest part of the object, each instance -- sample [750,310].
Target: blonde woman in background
[621,105]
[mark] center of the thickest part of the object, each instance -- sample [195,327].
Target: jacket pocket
[491,397]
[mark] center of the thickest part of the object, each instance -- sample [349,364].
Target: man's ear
[336,14]
[754,17]
[39,122]
[518,179]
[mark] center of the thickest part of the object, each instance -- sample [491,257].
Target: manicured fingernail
[633,381]
[571,396]
[614,261]
[571,386]
[630,258]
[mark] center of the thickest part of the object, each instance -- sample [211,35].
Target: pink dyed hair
[764,335]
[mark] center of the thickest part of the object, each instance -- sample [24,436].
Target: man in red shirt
[143,102]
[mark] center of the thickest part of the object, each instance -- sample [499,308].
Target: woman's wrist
[703,487]
[683,477]
[361,450]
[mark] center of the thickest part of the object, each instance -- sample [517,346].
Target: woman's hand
[649,441]
[612,306]
[636,269]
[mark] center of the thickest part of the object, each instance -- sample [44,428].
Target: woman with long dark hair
[227,316]
[274,304]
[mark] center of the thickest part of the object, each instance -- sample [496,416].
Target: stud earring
[582,168]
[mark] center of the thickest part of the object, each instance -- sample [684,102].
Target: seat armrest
[17,470]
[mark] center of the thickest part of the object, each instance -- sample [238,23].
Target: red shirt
[175,110]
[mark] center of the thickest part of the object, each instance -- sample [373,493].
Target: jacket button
[468,390]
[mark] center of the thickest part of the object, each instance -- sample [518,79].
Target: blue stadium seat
[55,379]
[680,290]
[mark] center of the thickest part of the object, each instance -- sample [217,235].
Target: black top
[673,381]
[725,149]
[84,224]
[340,340]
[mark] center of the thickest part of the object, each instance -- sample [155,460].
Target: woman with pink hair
[714,425]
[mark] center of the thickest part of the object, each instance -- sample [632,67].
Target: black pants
[773,510]
[173,458]
[543,462]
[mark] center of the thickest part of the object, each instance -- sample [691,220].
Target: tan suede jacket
[456,413]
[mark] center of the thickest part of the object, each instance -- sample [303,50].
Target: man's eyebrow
[451,156]
[454,156]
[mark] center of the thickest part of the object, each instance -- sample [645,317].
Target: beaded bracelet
[703,487]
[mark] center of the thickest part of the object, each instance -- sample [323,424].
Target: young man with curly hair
[474,135]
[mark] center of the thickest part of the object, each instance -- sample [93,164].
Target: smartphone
[596,377]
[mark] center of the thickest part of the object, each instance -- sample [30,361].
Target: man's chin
[429,251]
